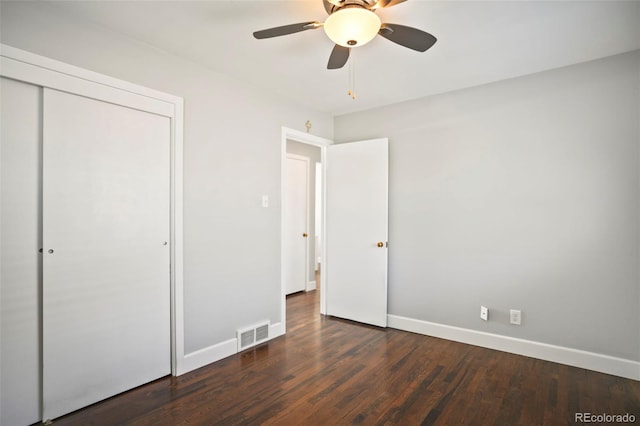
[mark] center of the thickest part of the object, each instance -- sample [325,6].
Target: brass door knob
[305,235]
[380,244]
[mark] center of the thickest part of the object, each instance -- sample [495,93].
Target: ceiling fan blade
[287,29]
[410,37]
[387,3]
[339,57]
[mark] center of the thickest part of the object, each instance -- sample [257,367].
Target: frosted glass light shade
[352,27]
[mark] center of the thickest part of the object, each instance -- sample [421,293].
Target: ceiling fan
[353,23]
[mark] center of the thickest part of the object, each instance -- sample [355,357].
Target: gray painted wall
[521,194]
[314,155]
[232,143]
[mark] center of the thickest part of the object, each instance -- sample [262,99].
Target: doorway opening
[297,149]
[301,217]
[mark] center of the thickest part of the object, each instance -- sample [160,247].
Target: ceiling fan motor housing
[336,5]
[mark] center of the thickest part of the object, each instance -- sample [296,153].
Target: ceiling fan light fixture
[352,27]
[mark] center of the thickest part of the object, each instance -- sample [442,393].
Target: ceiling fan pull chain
[352,78]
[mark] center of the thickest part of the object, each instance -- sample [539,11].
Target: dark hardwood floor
[327,371]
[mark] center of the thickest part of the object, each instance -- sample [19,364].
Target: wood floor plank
[328,371]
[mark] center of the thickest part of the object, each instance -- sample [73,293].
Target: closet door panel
[20,261]
[106,229]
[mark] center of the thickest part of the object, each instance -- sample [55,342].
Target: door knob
[305,235]
[380,244]
[50,250]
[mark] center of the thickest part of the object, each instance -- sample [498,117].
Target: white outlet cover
[515,316]
[484,313]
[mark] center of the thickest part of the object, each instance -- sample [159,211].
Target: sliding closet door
[106,227]
[20,237]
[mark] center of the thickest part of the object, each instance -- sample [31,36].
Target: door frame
[322,143]
[307,162]
[34,69]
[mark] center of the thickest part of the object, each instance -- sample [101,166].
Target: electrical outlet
[484,313]
[515,316]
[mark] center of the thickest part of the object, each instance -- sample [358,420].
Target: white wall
[231,158]
[519,194]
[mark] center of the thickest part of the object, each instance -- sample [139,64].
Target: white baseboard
[311,285]
[276,330]
[221,350]
[207,355]
[563,355]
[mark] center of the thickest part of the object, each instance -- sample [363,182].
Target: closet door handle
[50,251]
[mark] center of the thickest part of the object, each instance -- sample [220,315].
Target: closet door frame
[34,69]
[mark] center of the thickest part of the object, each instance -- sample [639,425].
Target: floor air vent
[248,337]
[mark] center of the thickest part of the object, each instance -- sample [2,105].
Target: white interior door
[357,218]
[296,223]
[106,228]
[20,269]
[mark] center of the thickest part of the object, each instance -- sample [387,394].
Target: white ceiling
[478,42]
